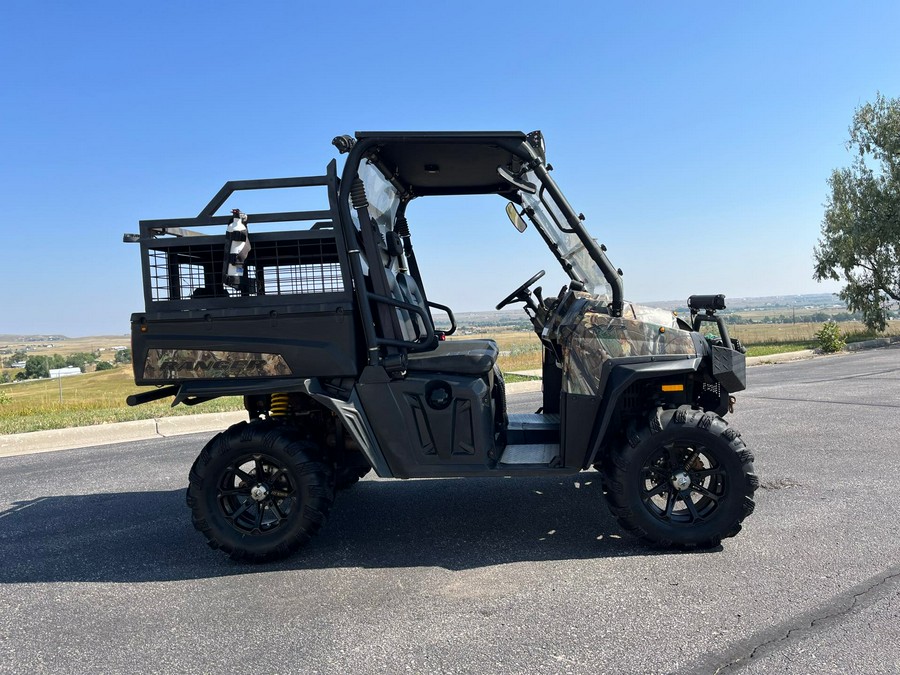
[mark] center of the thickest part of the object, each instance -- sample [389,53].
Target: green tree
[104,365]
[36,367]
[123,356]
[861,229]
[80,359]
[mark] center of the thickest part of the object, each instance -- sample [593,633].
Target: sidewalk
[164,427]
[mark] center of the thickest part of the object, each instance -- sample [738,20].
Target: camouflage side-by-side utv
[323,325]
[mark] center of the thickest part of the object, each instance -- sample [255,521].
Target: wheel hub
[259,492]
[681,480]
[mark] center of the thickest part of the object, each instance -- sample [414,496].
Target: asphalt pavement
[101,570]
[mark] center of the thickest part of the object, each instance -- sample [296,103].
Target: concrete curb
[786,357]
[119,432]
[872,344]
[523,387]
[192,424]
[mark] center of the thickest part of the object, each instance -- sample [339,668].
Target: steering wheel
[521,293]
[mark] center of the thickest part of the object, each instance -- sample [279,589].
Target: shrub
[104,365]
[829,337]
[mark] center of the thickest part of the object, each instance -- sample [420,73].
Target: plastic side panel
[590,338]
[579,414]
[297,345]
[427,425]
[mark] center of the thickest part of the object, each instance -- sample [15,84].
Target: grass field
[92,398]
[99,398]
[759,333]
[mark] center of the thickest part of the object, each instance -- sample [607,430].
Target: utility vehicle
[323,324]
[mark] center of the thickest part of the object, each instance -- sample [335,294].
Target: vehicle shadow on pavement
[453,524]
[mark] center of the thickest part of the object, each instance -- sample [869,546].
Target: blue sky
[696,137]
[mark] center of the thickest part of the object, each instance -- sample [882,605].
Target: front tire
[684,480]
[258,491]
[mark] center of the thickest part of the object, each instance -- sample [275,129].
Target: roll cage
[419,164]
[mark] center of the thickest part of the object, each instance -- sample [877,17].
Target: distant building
[17,364]
[64,372]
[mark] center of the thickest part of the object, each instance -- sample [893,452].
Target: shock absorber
[280,405]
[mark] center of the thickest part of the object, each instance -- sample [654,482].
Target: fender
[621,377]
[352,416]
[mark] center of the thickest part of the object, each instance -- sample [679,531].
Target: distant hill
[55,337]
[768,302]
[55,343]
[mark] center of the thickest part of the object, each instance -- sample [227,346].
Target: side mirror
[517,183]
[515,218]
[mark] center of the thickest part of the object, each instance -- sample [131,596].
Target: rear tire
[258,491]
[683,480]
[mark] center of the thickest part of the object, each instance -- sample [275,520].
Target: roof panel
[448,162]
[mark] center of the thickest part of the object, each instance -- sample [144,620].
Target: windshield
[548,218]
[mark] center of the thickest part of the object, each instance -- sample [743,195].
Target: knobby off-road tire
[684,480]
[258,491]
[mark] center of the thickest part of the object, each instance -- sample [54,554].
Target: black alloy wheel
[256,494]
[683,483]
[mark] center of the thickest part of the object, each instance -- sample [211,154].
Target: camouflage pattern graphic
[590,337]
[187,364]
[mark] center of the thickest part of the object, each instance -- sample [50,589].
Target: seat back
[409,323]
[412,294]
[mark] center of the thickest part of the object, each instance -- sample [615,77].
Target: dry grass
[519,350]
[758,333]
[92,398]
